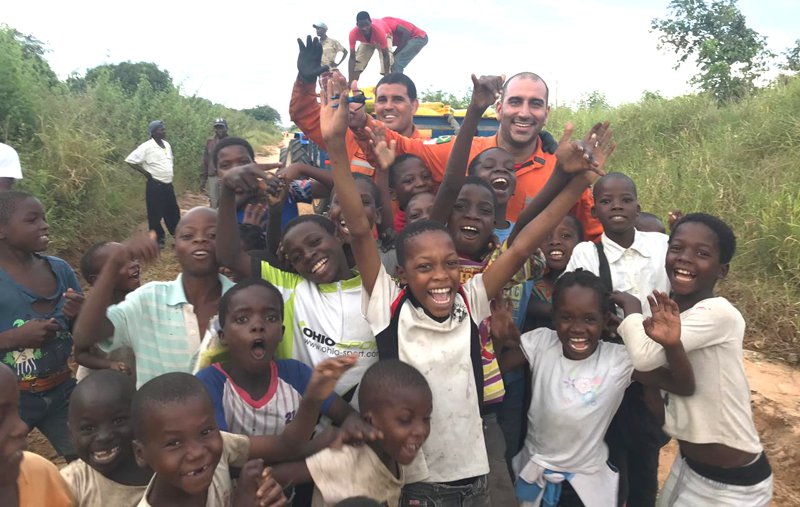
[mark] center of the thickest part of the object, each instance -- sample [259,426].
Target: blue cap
[154,125]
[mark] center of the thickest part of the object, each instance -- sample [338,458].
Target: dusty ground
[775,390]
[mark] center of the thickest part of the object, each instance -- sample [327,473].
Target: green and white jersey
[323,321]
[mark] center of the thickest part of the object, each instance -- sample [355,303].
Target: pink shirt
[377,38]
[394,23]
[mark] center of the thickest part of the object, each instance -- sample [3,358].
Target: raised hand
[72,304]
[385,153]
[254,213]
[355,431]
[333,116]
[309,59]
[142,246]
[277,190]
[503,329]
[325,376]
[664,326]
[485,91]
[590,154]
[673,217]
[270,493]
[246,179]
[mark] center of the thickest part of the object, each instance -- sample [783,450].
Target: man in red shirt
[383,34]
[522,112]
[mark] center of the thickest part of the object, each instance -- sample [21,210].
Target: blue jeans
[433,494]
[47,411]
[404,56]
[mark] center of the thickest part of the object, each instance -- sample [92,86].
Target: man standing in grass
[208,171]
[153,158]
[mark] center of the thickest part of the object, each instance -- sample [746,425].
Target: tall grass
[739,162]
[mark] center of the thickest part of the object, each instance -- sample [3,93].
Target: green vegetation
[738,161]
[73,137]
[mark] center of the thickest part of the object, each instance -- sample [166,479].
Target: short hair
[614,176]
[324,222]
[225,300]
[373,188]
[582,278]
[528,75]
[252,237]
[232,141]
[643,215]
[88,263]
[105,380]
[358,501]
[174,387]
[476,162]
[8,203]
[576,223]
[401,79]
[480,182]
[726,238]
[405,157]
[415,229]
[363,16]
[383,378]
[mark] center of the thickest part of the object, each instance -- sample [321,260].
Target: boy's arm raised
[532,235]
[571,158]
[664,328]
[484,93]
[92,325]
[333,121]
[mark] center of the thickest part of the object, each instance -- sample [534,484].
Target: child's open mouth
[683,275]
[197,471]
[319,266]
[469,232]
[441,296]
[200,254]
[618,218]
[579,344]
[258,350]
[556,255]
[105,457]
[500,184]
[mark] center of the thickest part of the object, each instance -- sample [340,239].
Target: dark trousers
[634,440]
[47,411]
[161,203]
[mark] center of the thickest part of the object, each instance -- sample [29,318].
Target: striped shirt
[237,412]
[158,323]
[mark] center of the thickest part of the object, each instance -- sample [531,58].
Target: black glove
[309,58]
[549,143]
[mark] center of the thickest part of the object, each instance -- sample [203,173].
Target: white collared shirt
[637,270]
[154,159]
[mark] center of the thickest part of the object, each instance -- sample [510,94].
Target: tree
[128,75]
[264,113]
[594,100]
[730,55]
[792,56]
[446,98]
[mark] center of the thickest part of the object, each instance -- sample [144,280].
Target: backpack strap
[605,271]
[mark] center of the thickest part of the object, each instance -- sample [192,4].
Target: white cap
[9,163]
[320,25]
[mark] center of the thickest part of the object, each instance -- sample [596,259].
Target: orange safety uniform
[532,174]
[304,112]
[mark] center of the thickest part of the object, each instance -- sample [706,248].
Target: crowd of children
[417,345]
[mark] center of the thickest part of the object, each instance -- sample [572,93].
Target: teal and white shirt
[322,321]
[158,323]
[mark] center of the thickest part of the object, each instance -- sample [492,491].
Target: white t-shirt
[572,402]
[443,352]
[323,321]
[638,270]
[712,332]
[154,159]
[9,163]
[351,471]
[235,450]
[93,489]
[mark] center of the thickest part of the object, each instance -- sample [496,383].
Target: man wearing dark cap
[208,172]
[330,47]
[384,33]
[153,158]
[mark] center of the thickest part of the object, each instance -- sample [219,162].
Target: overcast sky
[242,53]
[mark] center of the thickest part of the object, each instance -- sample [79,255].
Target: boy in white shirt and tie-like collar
[632,261]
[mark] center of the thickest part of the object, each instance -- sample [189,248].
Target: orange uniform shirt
[531,175]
